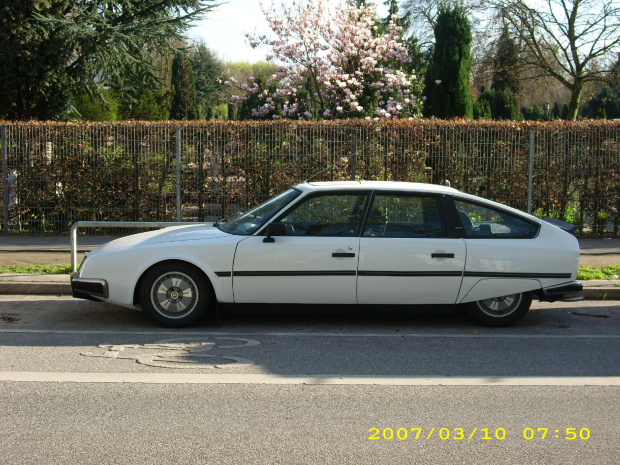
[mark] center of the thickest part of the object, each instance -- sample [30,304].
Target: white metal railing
[115,224]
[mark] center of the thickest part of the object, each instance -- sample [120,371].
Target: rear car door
[406,257]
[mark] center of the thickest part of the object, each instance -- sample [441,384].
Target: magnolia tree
[333,63]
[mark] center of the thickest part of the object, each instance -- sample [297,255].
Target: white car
[352,242]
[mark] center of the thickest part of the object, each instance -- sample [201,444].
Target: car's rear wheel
[500,311]
[176,294]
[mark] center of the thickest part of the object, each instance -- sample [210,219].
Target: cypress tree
[506,64]
[506,82]
[449,92]
[209,76]
[183,104]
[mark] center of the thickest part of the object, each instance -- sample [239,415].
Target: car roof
[406,187]
[377,185]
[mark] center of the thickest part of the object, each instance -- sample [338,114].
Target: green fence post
[353,154]
[5,183]
[530,174]
[178,152]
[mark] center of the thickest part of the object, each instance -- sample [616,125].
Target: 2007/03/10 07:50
[457,434]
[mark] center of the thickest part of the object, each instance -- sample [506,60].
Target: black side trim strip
[485,274]
[294,273]
[223,274]
[410,273]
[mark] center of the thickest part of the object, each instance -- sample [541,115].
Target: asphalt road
[83,383]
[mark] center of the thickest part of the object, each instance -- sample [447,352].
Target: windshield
[249,222]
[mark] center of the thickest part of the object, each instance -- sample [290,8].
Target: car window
[326,215]
[404,216]
[249,222]
[483,221]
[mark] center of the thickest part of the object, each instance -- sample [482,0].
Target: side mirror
[275,229]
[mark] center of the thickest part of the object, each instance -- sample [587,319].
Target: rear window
[486,222]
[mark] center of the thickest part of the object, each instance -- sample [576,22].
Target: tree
[482,109]
[614,73]
[335,65]
[565,38]
[183,105]
[506,76]
[606,103]
[52,53]
[93,109]
[501,104]
[146,105]
[209,76]
[449,94]
[506,86]
[422,15]
[418,60]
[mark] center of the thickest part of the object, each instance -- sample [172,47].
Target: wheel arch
[136,289]
[494,287]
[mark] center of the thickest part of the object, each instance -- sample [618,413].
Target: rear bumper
[89,289]
[567,292]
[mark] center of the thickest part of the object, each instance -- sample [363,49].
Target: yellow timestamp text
[484,434]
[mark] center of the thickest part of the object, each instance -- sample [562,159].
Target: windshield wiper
[220,221]
[226,218]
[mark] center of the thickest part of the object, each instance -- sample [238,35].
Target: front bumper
[566,292]
[89,289]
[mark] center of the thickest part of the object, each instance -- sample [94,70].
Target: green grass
[586,272]
[65,268]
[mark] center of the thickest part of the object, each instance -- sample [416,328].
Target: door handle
[343,254]
[442,255]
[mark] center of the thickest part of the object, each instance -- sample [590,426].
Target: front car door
[315,263]
[406,256]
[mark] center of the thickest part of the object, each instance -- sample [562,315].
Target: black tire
[500,311]
[176,294]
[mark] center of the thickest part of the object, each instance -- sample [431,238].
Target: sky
[224,29]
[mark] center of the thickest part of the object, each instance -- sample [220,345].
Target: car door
[405,254]
[315,263]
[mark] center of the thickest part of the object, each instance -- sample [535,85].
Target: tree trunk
[575,98]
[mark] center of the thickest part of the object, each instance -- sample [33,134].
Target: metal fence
[54,174]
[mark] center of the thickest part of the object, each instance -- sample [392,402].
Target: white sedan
[367,242]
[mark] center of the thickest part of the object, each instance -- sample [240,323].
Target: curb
[35,288]
[601,293]
[35,284]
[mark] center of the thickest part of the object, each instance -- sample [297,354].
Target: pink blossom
[335,46]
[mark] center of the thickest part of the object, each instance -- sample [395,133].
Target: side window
[404,216]
[482,221]
[326,215]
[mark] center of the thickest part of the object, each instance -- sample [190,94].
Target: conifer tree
[209,77]
[506,64]
[183,105]
[449,93]
[506,84]
[53,52]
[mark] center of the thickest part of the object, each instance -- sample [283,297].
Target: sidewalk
[49,250]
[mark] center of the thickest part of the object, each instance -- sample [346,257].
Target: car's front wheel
[175,294]
[500,311]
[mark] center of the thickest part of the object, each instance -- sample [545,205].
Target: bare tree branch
[564,38]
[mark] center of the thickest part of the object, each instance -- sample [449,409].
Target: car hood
[200,232]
